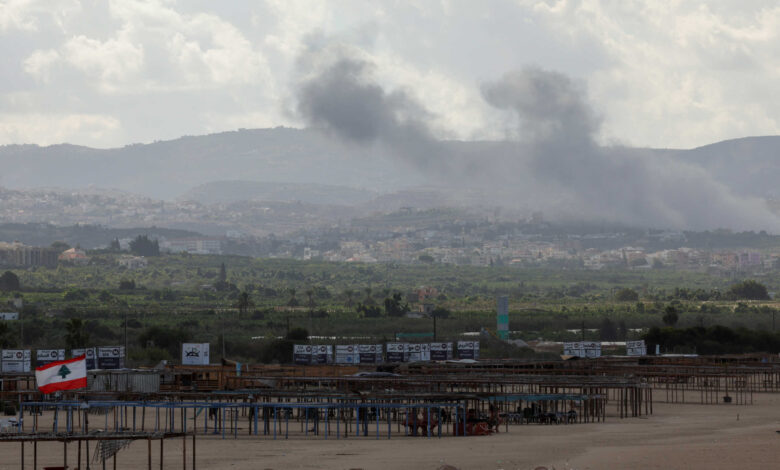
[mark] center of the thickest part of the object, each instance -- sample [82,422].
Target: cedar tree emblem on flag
[62,375]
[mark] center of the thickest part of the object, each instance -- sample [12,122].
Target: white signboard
[425,352]
[636,348]
[111,357]
[7,316]
[16,360]
[322,354]
[46,356]
[441,351]
[195,354]
[395,352]
[347,354]
[592,349]
[573,349]
[302,354]
[413,352]
[468,349]
[90,354]
[370,353]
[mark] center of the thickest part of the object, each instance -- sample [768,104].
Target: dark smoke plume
[557,167]
[344,100]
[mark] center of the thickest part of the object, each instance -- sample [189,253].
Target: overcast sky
[108,73]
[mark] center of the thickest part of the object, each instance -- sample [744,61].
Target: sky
[669,74]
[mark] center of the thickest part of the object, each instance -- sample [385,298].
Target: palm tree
[244,302]
[293,302]
[368,300]
[349,294]
[310,296]
[76,336]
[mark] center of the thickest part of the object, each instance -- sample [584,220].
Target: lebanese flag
[62,375]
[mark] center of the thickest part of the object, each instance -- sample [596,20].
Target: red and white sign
[62,375]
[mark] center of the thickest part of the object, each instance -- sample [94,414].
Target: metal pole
[193,450]
[184,452]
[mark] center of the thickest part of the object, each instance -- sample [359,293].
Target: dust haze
[555,165]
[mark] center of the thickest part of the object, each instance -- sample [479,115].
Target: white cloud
[680,74]
[674,74]
[112,63]
[155,49]
[40,63]
[47,129]
[34,15]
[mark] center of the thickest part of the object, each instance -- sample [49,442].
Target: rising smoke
[557,166]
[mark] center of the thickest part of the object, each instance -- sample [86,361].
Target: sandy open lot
[674,437]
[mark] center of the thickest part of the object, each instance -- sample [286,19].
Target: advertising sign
[89,352]
[441,351]
[111,357]
[370,353]
[195,354]
[592,349]
[425,352]
[302,354]
[46,356]
[573,349]
[636,348]
[322,354]
[413,352]
[468,349]
[347,354]
[16,360]
[395,352]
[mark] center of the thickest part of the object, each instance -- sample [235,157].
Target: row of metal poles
[69,438]
[74,416]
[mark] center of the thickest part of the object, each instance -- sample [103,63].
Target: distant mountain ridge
[311,163]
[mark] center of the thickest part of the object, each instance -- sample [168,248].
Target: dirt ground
[674,437]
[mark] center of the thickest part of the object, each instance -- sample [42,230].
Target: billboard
[592,349]
[195,354]
[302,354]
[347,354]
[370,353]
[395,352]
[573,349]
[413,352]
[16,360]
[89,353]
[441,351]
[584,349]
[47,356]
[322,354]
[468,349]
[8,316]
[111,357]
[636,348]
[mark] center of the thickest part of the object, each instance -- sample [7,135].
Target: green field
[181,298]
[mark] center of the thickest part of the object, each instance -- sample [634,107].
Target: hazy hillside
[168,169]
[189,166]
[750,166]
[220,192]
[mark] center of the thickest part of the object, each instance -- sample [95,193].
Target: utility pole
[126,309]
[434,326]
